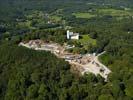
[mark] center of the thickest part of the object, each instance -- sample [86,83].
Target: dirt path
[93,66]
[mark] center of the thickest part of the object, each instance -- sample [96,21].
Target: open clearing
[85,40]
[115,12]
[87,63]
[83,15]
[56,18]
[118,13]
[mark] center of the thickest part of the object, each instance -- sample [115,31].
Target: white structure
[71,35]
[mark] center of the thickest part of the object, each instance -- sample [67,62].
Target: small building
[71,35]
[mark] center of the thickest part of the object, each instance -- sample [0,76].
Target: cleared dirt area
[87,63]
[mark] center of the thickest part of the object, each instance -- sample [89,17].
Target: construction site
[87,63]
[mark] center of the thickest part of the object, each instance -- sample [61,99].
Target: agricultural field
[100,12]
[40,19]
[84,15]
[115,12]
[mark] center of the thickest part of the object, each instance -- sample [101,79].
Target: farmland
[100,12]
[115,12]
[84,15]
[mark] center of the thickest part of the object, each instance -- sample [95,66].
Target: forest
[39,75]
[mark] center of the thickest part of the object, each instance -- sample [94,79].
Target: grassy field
[115,12]
[56,18]
[84,44]
[102,12]
[85,40]
[25,24]
[83,15]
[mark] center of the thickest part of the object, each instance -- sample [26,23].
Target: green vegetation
[83,45]
[85,40]
[56,18]
[83,15]
[37,75]
[115,12]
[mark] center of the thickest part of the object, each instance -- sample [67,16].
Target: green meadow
[86,39]
[83,15]
[56,18]
[115,12]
